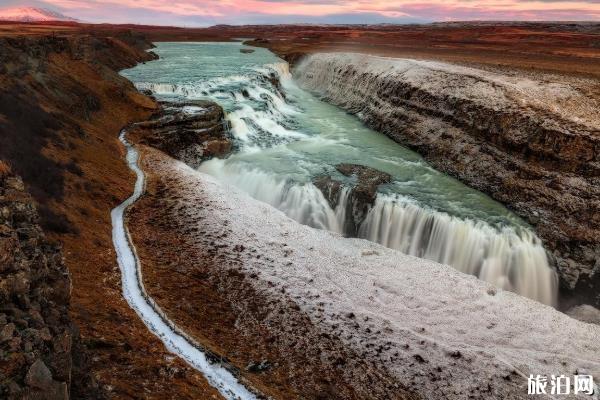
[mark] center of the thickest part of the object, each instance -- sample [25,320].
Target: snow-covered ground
[323,72]
[32,14]
[442,333]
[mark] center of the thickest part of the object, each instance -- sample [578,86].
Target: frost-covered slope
[494,91]
[438,331]
[32,14]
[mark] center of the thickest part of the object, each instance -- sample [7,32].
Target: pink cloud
[240,11]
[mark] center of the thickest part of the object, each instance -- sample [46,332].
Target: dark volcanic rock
[368,180]
[36,333]
[192,131]
[361,196]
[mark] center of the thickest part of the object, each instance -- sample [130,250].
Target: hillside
[62,106]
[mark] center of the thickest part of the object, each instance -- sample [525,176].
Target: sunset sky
[210,12]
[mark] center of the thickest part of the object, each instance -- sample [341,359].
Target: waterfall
[258,113]
[276,164]
[302,202]
[509,259]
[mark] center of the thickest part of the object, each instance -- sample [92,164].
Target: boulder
[362,194]
[39,376]
[191,131]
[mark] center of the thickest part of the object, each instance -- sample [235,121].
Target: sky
[211,12]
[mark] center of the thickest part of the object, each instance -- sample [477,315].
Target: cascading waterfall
[509,259]
[303,203]
[287,137]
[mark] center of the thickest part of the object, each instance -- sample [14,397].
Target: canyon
[189,202]
[277,328]
[531,145]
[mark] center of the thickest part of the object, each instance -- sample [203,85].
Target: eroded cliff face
[38,341]
[191,131]
[533,145]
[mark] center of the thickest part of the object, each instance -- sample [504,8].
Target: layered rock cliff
[36,333]
[191,131]
[531,144]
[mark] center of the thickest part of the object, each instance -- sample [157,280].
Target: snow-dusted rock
[440,332]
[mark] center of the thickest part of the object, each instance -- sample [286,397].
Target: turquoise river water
[285,137]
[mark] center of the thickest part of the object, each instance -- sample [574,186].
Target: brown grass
[4,169]
[68,153]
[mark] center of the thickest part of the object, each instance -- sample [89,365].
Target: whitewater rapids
[285,137]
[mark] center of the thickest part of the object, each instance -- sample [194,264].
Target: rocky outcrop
[36,334]
[532,145]
[360,195]
[191,131]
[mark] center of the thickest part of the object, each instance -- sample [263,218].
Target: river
[285,137]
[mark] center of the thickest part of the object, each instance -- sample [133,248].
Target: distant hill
[32,14]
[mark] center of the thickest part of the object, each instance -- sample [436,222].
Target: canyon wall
[54,91]
[533,145]
[62,106]
[41,354]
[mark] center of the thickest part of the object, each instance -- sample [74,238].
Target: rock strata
[191,131]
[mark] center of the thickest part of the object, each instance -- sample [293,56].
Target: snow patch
[32,14]
[497,91]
